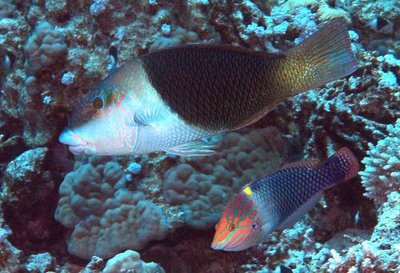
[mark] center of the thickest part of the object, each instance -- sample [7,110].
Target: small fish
[170,99]
[279,200]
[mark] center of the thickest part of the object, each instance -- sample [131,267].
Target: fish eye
[232,227]
[254,225]
[97,103]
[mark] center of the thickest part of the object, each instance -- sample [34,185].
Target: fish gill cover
[158,217]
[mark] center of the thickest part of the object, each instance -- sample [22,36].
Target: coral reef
[381,252]
[106,216]
[52,52]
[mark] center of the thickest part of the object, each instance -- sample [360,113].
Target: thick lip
[76,144]
[78,149]
[215,246]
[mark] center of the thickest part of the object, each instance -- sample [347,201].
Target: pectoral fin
[195,148]
[147,116]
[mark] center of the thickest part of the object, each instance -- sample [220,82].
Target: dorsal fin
[310,163]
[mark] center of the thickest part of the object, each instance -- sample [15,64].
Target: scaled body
[278,200]
[163,100]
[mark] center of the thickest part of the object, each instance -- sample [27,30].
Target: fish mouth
[78,149]
[216,246]
[77,145]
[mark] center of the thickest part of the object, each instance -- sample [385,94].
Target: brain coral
[44,47]
[106,216]
[202,186]
[382,166]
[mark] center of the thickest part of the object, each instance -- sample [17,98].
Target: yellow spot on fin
[248,191]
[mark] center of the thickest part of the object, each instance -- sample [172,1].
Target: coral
[129,261]
[68,78]
[382,166]
[381,252]
[93,37]
[105,215]
[9,255]
[202,186]
[25,166]
[6,9]
[178,37]
[95,265]
[44,48]
[11,147]
[134,168]
[28,190]
[24,172]
[366,12]
[40,263]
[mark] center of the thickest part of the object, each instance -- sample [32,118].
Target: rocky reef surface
[155,213]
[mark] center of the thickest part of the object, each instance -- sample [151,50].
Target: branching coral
[382,166]
[381,252]
[106,216]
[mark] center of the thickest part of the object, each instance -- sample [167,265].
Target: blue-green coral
[106,216]
[382,166]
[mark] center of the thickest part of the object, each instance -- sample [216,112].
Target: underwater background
[157,212]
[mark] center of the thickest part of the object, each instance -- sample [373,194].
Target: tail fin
[343,165]
[323,57]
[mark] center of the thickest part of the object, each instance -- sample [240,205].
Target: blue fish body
[279,200]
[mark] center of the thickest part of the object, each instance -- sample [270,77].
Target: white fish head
[99,126]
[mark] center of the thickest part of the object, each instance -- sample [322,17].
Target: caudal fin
[323,57]
[343,165]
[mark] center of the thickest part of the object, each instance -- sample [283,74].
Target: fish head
[98,125]
[239,227]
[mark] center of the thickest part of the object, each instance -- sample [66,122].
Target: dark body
[218,88]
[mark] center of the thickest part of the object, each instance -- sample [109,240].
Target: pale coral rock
[40,263]
[21,171]
[129,261]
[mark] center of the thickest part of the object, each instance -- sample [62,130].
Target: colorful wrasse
[165,100]
[278,200]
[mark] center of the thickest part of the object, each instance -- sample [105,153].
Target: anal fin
[195,148]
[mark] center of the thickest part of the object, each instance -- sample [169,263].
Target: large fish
[166,100]
[279,200]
